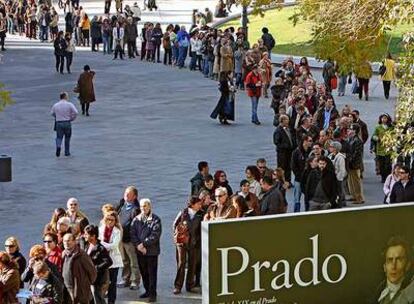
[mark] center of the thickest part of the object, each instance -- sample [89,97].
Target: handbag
[382,69]
[334,82]
[76,89]
[181,232]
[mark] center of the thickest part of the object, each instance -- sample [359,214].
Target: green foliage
[5,97]
[400,139]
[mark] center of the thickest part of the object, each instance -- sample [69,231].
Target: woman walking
[389,75]
[86,89]
[110,236]
[224,109]
[253,84]
[60,48]
[70,49]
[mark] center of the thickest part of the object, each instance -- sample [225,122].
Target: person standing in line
[78,272]
[355,160]
[9,279]
[389,75]
[183,40]
[339,162]
[86,90]
[253,83]
[110,236]
[268,41]
[12,247]
[3,31]
[403,189]
[70,49]
[64,113]
[145,235]
[285,144]
[60,46]
[273,201]
[157,37]
[102,261]
[144,41]
[131,35]
[118,34]
[128,209]
[188,250]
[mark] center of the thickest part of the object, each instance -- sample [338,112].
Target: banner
[347,256]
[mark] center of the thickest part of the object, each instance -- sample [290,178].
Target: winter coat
[83,275]
[273,202]
[299,157]
[85,85]
[401,194]
[52,291]
[356,153]
[96,32]
[156,36]
[339,163]
[239,56]
[131,32]
[146,230]
[102,261]
[150,46]
[10,284]
[226,62]
[265,67]
[112,246]
[250,84]
[126,217]
[194,227]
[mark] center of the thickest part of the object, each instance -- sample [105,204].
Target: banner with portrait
[346,256]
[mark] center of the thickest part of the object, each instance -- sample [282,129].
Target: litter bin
[5,169]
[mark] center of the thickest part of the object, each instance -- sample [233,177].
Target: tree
[352,32]
[400,139]
[5,98]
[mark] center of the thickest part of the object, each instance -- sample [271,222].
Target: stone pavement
[149,127]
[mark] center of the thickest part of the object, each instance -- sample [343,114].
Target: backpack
[272,42]
[181,231]
[183,42]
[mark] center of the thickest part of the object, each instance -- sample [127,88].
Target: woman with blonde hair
[52,225]
[265,67]
[110,234]
[12,247]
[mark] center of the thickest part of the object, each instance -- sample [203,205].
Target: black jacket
[102,261]
[194,226]
[273,202]
[196,183]
[281,140]
[401,194]
[148,232]
[60,46]
[312,179]
[356,152]
[53,290]
[28,276]
[299,157]
[126,217]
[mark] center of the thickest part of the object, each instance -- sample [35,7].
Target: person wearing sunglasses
[223,208]
[220,180]
[110,236]
[403,190]
[53,251]
[12,247]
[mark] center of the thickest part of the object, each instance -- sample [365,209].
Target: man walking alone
[64,113]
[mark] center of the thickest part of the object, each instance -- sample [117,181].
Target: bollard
[5,169]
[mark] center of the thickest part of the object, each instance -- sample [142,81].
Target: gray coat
[239,56]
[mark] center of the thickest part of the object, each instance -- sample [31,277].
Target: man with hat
[355,160]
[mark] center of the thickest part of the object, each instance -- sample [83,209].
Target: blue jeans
[239,81]
[175,54]
[43,33]
[210,68]
[342,84]
[193,61]
[205,67]
[297,194]
[182,55]
[255,103]
[105,41]
[63,128]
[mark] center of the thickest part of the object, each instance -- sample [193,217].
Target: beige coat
[226,63]
[10,284]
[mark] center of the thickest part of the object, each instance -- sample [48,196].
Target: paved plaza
[149,127]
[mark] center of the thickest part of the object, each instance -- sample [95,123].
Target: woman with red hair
[9,279]
[220,180]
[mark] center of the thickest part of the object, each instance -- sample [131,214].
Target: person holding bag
[253,84]
[187,239]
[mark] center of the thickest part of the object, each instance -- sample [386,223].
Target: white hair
[72,200]
[144,201]
[220,190]
[64,220]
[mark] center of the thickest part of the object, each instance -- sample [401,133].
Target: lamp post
[244,21]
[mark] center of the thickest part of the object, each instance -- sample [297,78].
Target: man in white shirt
[64,113]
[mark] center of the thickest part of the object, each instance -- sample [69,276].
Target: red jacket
[250,84]
[55,257]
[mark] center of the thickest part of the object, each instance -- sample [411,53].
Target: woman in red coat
[253,83]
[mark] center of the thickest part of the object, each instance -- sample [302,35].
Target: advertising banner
[347,256]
